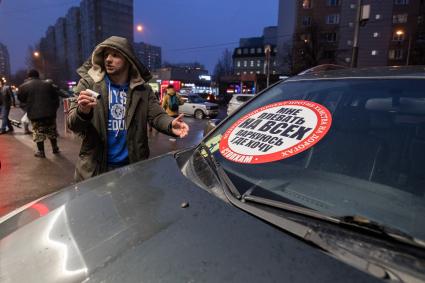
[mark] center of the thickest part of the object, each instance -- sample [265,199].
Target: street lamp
[43,65]
[139,28]
[409,44]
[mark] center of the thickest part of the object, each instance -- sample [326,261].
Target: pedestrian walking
[113,125]
[41,101]
[172,101]
[7,99]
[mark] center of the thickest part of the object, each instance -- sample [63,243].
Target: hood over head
[139,74]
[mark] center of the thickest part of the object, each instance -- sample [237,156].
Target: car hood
[148,223]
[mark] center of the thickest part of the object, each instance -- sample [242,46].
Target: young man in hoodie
[113,127]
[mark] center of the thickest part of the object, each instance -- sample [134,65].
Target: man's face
[115,62]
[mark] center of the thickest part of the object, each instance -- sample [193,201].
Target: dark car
[319,178]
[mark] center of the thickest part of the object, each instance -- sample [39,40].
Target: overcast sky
[178,26]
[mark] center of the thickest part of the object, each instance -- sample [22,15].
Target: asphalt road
[24,178]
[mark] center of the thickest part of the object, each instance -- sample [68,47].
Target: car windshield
[196,99]
[340,147]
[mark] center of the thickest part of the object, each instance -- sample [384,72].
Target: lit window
[374,52]
[378,16]
[238,64]
[244,72]
[259,50]
[251,63]
[239,51]
[349,42]
[251,72]
[332,19]
[245,63]
[307,4]
[252,51]
[258,63]
[398,36]
[399,18]
[238,73]
[258,72]
[395,54]
[348,60]
[375,34]
[352,6]
[350,24]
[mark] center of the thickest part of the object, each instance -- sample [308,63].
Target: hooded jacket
[39,99]
[141,107]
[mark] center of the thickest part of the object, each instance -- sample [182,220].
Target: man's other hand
[86,102]
[179,128]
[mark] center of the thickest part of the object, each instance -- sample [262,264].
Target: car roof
[373,72]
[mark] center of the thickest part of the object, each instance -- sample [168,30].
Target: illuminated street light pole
[139,28]
[409,44]
[43,64]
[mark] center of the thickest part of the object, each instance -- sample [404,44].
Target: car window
[196,99]
[370,161]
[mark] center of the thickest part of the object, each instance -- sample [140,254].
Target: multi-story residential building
[149,55]
[72,39]
[4,61]
[256,55]
[73,32]
[312,32]
[101,19]
[61,43]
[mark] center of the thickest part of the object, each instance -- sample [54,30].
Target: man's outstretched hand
[179,128]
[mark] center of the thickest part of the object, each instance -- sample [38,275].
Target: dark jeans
[5,118]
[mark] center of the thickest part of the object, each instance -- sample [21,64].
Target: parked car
[198,107]
[319,178]
[236,101]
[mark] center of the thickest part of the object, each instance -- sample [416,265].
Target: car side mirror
[211,125]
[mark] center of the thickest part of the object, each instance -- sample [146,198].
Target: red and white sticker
[276,131]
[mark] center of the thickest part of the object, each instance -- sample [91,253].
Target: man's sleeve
[76,120]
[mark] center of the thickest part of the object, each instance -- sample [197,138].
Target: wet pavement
[24,178]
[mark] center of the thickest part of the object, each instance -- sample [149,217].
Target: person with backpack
[171,102]
[7,100]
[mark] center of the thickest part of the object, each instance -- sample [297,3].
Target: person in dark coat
[42,101]
[7,100]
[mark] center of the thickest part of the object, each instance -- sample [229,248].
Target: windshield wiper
[373,226]
[349,221]
[215,166]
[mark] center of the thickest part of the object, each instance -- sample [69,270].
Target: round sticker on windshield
[276,131]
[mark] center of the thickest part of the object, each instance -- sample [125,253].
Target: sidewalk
[24,178]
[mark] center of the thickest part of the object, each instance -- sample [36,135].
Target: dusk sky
[180,27]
